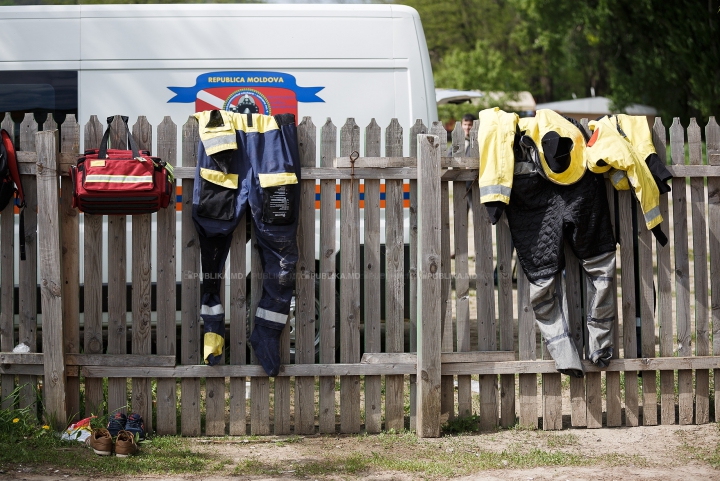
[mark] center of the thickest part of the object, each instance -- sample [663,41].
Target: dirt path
[657,452]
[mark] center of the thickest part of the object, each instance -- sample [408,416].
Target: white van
[337,61]
[322,61]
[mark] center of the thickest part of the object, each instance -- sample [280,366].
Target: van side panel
[38,40]
[237,38]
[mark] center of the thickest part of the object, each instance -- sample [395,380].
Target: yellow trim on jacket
[277,179]
[229,181]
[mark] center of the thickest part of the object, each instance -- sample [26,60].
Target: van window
[40,92]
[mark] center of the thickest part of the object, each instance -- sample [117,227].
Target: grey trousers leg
[547,297]
[599,287]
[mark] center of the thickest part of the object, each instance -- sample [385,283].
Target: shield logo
[268,93]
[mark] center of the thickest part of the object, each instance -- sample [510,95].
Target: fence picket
[712,142]
[166,331]
[28,270]
[70,232]
[349,285]
[647,319]
[682,271]
[305,296]
[429,404]
[506,318]
[54,388]
[238,329]
[373,396]
[7,269]
[190,300]
[93,308]
[447,388]
[328,321]
[627,280]
[700,278]
[527,345]
[417,129]
[612,379]
[485,286]
[141,286]
[579,405]
[394,269]
[664,291]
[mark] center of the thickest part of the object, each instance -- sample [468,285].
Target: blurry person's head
[467,123]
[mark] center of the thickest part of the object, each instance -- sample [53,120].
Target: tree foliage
[656,52]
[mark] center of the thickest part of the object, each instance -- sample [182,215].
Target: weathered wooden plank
[645,264]
[7,266]
[448,338]
[664,292]
[141,280]
[238,329]
[506,318]
[429,311]
[27,327]
[349,284]
[373,389]
[700,253]
[445,357]
[485,286]
[627,280]
[415,130]
[166,402]
[394,276]
[328,323]
[190,301]
[612,379]
[259,386]
[92,309]
[305,291]
[712,142]
[461,193]
[70,240]
[51,279]
[27,166]
[682,271]
[107,360]
[573,286]
[472,163]
[526,344]
[378,369]
[552,402]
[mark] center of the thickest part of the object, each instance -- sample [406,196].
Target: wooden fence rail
[401,278]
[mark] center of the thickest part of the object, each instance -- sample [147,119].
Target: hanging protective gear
[622,145]
[263,170]
[542,215]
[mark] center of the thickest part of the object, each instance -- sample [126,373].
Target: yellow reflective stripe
[279,178]
[260,123]
[119,179]
[212,344]
[229,181]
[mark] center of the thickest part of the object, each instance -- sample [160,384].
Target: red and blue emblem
[267,93]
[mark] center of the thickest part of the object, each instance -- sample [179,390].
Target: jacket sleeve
[497,159]
[608,144]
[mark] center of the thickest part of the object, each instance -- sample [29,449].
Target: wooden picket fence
[483,361]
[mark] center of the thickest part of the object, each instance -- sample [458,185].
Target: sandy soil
[659,452]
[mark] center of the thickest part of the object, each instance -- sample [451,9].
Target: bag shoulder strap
[13,165]
[15,175]
[102,153]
